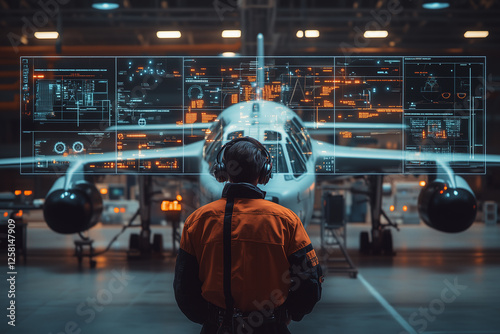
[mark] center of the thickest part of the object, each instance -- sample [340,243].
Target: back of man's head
[244,162]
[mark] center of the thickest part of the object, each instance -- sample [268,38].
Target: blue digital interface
[113,112]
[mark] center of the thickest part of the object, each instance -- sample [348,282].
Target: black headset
[220,171]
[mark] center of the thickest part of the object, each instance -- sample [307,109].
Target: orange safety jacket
[272,260]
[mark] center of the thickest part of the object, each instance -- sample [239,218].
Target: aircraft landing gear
[364,243]
[140,245]
[380,244]
[381,236]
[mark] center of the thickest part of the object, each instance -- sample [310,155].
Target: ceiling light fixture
[229,54]
[168,34]
[47,34]
[105,5]
[376,34]
[231,33]
[311,33]
[476,34]
[300,34]
[435,4]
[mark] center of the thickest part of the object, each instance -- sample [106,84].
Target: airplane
[446,204]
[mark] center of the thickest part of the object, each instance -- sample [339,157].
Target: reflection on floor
[437,283]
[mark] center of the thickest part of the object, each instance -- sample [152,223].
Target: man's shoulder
[270,207]
[211,209]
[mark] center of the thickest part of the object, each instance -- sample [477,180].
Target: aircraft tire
[157,242]
[364,243]
[387,244]
[133,242]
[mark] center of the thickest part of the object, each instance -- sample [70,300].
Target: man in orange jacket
[245,264]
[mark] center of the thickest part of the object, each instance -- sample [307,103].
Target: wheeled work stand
[333,233]
[79,253]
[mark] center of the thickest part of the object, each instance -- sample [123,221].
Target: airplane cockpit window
[277,158]
[272,136]
[213,142]
[213,150]
[296,160]
[234,135]
[297,135]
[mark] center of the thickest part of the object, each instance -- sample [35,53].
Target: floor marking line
[388,307]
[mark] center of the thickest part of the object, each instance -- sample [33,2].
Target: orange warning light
[170,206]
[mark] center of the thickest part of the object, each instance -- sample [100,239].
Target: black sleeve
[305,287]
[187,288]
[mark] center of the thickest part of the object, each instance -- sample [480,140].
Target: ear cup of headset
[219,172]
[265,173]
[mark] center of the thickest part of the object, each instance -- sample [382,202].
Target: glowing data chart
[142,114]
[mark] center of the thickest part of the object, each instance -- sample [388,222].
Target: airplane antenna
[260,66]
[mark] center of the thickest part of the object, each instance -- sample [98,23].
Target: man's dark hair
[244,162]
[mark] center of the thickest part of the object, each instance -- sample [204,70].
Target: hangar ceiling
[411,28]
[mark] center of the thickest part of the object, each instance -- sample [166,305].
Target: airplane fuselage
[282,132]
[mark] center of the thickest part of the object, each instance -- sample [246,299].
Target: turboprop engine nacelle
[447,208]
[74,208]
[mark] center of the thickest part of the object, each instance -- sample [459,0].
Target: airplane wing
[355,160]
[192,129]
[190,153]
[323,150]
[321,128]
[352,159]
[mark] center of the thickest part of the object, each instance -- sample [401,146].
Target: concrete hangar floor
[436,284]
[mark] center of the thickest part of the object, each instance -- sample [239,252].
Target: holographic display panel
[116,112]
[444,112]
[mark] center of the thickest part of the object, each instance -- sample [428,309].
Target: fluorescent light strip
[311,33]
[476,34]
[47,34]
[376,34]
[168,34]
[231,33]
[228,54]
